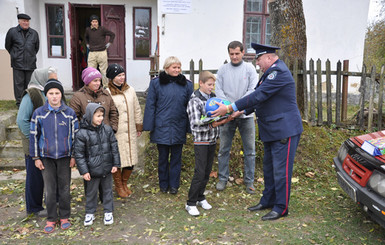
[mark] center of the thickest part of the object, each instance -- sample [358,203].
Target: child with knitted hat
[53,128]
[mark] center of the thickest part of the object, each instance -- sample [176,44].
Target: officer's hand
[221,111]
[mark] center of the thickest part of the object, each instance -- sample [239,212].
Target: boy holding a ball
[205,137]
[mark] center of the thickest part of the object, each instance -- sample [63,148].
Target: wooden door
[76,69]
[112,17]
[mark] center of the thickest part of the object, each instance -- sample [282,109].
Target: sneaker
[250,188]
[205,205]
[108,219]
[221,185]
[192,210]
[89,220]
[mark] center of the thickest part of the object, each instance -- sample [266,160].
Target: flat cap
[23,16]
[263,49]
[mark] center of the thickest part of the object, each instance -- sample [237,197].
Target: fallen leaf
[239,181]
[310,174]
[294,180]
[260,180]
[214,174]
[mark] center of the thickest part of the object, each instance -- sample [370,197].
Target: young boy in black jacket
[97,156]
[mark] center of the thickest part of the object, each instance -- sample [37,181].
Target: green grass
[320,212]
[6,105]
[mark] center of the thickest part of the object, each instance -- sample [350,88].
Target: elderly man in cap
[22,43]
[280,127]
[95,37]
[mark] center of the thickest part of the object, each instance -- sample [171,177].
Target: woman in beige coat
[130,125]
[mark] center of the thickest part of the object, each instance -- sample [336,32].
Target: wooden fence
[336,106]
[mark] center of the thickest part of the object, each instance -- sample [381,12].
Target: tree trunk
[289,32]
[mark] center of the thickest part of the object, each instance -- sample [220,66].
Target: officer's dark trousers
[278,163]
[21,79]
[34,187]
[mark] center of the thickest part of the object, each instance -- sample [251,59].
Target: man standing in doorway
[22,43]
[234,81]
[96,42]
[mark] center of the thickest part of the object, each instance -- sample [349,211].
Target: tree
[289,32]
[374,53]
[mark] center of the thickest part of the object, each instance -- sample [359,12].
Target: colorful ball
[212,106]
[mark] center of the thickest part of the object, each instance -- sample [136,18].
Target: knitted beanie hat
[90,74]
[53,83]
[113,70]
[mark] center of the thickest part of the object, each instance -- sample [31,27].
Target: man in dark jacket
[22,43]
[280,126]
[95,37]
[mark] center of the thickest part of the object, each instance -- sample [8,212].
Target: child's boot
[118,183]
[126,173]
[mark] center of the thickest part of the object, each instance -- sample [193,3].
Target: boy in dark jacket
[53,127]
[97,156]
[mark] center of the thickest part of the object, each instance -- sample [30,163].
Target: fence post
[338,94]
[371,97]
[380,98]
[306,106]
[319,92]
[362,98]
[328,93]
[192,71]
[312,91]
[345,83]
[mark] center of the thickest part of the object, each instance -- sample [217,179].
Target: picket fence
[371,90]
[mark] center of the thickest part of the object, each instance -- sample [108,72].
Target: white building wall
[202,34]
[335,30]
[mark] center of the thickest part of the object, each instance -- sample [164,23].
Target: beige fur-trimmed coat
[130,122]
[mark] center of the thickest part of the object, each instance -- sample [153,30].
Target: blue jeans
[169,165]
[246,128]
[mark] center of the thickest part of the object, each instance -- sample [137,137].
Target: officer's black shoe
[272,215]
[257,207]
[164,190]
[173,190]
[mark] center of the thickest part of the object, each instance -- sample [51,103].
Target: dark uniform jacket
[96,148]
[274,103]
[22,49]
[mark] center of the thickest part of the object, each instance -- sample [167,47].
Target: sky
[374,10]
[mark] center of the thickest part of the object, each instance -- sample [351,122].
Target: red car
[362,175]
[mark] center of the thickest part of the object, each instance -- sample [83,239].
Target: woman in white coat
[129,128]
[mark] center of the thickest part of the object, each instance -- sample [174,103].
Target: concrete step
[12,163]
[13,132]
[6,118]
[11,149]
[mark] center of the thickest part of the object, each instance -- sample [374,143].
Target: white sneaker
[192,210]
[89,219]
[108,219]
[205,205]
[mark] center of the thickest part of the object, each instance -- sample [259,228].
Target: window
[55,30]
[142,33]
[256,27]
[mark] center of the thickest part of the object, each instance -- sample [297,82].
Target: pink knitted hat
[90,74]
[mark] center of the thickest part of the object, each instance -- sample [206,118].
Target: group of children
[57,142]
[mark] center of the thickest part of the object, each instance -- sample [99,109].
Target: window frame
[49,36]
[149,38]
[264,15]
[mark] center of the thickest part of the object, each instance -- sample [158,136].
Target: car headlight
[342,152]
[377,183]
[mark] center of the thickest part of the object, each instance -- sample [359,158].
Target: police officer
[280,127]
